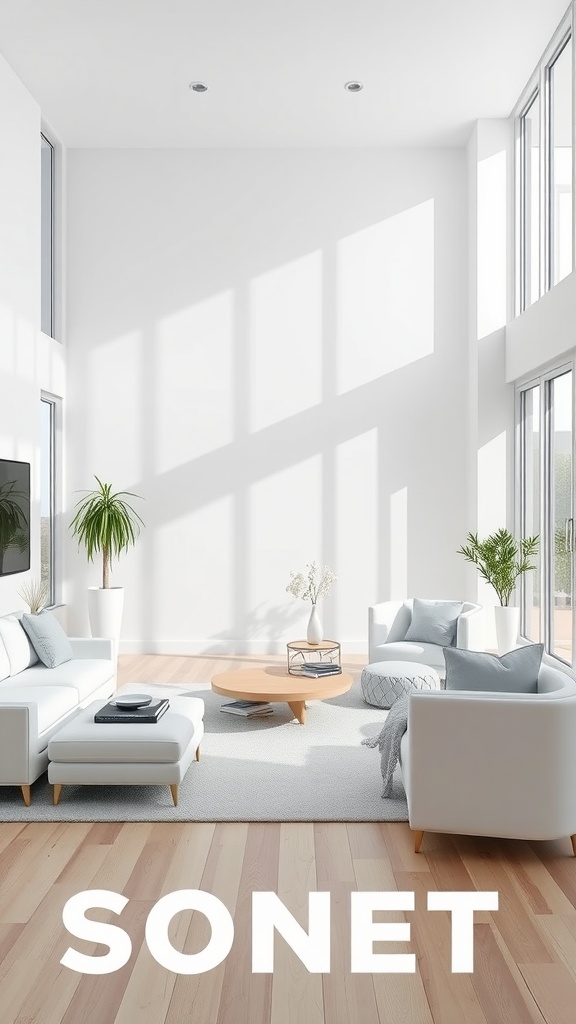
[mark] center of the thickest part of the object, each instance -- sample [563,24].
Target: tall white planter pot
[507,621]
[105,607]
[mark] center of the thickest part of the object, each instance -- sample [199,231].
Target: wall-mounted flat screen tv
[14,517]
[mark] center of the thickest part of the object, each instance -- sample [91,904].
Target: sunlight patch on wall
[194,381]
[492,485]
[285,532]
[285,337]
[399,545]
[492,242]
[385,296]
[115,414]
[357,541]
[193,569]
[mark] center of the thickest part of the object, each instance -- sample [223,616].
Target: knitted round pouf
[384,681]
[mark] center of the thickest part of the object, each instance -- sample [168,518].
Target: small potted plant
[500,560]
[106,523]
[311,585]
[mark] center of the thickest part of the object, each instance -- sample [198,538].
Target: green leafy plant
[105,522]
[35,594]
[13,518]
[500,559]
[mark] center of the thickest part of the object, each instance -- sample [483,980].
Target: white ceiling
[116,73]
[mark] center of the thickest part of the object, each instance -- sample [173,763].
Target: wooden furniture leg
[57,789]
[26,795]
[298,709]
[418,836]
[174,791]
[573,841]
[198,752]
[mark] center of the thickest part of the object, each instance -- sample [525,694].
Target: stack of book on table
[149,713]
[247,708]
[318,669]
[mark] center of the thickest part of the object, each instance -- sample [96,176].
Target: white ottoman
[384,681]
[88,753]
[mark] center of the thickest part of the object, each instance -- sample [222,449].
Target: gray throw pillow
[434,622]
[515,672]
[48,638]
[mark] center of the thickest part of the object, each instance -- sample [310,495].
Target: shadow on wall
[270,347]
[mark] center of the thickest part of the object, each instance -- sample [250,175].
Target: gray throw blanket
[389,741]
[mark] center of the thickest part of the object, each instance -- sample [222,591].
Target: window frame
[546,546]
[55,445]
[44,137]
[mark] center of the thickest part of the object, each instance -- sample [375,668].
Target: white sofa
[388,624]
[36,701]
[493,764]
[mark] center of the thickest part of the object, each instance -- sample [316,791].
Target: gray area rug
[269,769]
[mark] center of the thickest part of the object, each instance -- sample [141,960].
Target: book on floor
[247,708]
[110,713]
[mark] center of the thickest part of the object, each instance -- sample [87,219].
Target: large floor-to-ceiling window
[544,172]
[546,436]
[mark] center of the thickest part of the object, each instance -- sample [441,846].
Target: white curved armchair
[388,624]
[493,764]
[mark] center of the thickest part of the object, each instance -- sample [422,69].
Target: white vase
[315,634]
[105,607]
[507,621]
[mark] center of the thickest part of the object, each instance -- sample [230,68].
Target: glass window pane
[47,496]
[531,508]
[531,211]
[561,509]
[561,163]
[46,237]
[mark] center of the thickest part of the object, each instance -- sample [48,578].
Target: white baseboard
[223,648]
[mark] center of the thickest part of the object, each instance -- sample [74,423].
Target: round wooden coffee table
[273,684]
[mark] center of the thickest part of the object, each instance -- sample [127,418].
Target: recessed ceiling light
[353,86]
[198,86]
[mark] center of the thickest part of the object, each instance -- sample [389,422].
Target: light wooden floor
[525,954]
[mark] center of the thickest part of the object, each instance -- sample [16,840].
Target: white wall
[29,361]
[270,347]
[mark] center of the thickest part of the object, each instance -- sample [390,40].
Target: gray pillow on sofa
[434,622]
[515,672]
[48,638]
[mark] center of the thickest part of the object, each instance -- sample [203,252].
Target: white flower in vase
[311,585]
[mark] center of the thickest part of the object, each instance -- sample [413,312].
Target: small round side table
[298,652]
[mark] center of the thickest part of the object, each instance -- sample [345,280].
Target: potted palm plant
[106,523]
[500,560]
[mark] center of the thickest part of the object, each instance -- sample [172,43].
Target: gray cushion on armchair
[434,622]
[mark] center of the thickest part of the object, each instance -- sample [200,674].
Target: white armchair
[493,764]
[388,624]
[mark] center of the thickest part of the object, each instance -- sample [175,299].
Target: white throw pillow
[20,651]
[48,638]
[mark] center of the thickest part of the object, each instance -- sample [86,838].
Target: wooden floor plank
[20,899]
[197,997]
[501,998]
[348,998]
[513,918]
[97,999]
[451,997]
[297,996]
[554,990]
[247,997]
